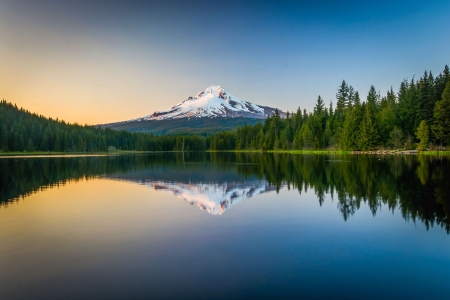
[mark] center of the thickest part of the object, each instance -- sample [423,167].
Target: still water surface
[218,226]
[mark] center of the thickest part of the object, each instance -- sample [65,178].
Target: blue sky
[104,61]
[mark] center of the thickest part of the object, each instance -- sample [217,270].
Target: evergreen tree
[387,117]
[307,137]
[356,99]
[368,135]
[372,99]
[342,97]
[351,128]
[327,135]
[427,100]
[351,97]
[30,147]
[3,137]
[423,135]
[319,108]
[441,126]
[396,138]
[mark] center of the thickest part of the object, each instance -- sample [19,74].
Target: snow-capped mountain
[210,103]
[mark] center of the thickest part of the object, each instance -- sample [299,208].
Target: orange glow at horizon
[80,78]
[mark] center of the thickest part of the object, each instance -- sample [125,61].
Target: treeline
[418,115]
[21,130]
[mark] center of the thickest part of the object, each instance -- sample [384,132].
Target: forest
[21,130]
[415,117]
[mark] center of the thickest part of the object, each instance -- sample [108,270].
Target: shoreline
[125,152]
[39,154]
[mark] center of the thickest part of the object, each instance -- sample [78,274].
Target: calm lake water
[219,226]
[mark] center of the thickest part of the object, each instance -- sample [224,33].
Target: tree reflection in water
[418,186]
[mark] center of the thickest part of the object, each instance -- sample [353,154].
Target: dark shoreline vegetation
[417,117]
[416,185]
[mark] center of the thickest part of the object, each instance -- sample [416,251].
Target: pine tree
[387,116]
[342,97]
[45,144]
[346,139]
[16,142]
[327,134]
[368,135]
[298,120]
[423,136]
[351,127]
[308,137]
[372,99]
[396,138]
[356,99]
[3,137]
[441,126]
[285,138]
[427,101]
[351,97]
[319,108]
[30,147]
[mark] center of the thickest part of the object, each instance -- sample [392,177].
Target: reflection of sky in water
[117,239]
[119,236]
[215,198]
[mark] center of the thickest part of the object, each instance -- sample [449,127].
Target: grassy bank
[340,152]
[124,152]
[435,152]
[53,153]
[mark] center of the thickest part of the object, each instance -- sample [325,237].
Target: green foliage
[396,138]
[307,137]
[441,126]
[30,147]
[423,136]
[368,135]
[21,130]
[380,121]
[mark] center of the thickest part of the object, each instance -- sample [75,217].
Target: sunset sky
[104,61]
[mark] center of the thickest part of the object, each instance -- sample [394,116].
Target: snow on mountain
[213,102]
[214,198]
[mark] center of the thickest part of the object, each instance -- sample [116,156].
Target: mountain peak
[212,102]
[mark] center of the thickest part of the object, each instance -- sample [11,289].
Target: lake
[225,225]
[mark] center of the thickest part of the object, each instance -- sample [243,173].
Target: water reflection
[214,198]
[418,186]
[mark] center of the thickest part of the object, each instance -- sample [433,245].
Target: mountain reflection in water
[418,186]
[214,198]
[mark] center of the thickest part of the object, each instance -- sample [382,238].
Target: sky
[95,62]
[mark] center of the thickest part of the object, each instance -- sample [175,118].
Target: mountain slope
[210,111]
[198,126]
[212,102]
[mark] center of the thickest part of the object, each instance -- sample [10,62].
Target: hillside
[195,126]
[210,111]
